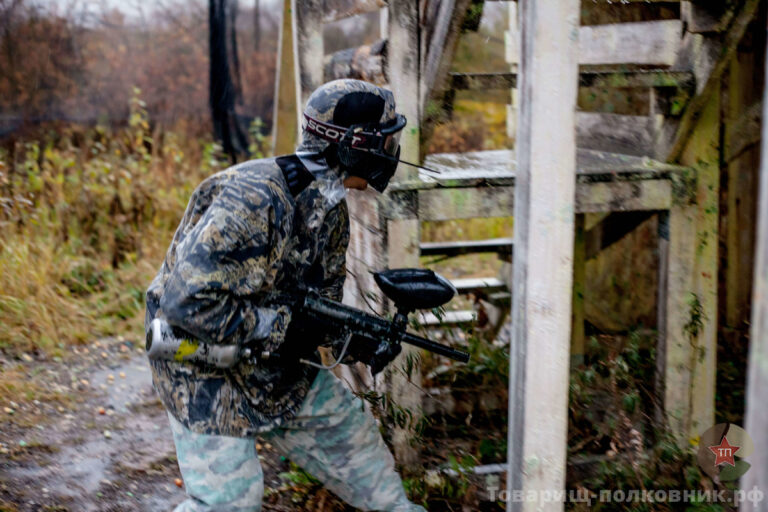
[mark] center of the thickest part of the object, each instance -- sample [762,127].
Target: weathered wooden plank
[497,167]
[285,130]
[639,78]
[619,78]
[308,47]
[482,202]
[502,246]
[651,43]
[757,377]
[629,135]
[623,196]
[333,10]
[543,263]
[465,203]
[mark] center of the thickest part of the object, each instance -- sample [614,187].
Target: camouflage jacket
[243,240]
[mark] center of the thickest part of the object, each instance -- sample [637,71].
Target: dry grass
[86,216]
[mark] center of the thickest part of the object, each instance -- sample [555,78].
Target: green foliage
[392,414]
[696,317]
[611,419]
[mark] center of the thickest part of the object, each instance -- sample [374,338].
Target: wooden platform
[477,184]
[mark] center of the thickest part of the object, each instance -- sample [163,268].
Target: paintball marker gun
[409,289]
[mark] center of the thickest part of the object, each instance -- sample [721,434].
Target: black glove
[376,354]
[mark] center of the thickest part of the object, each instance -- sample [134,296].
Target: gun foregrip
[163,344]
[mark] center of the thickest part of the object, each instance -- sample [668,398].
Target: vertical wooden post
[757,372]
[284,127]
[677,344]
[543,263]
[691,329]
[309,51]
[403,72]
[403,235]
[512,56]
[403,251]
[383,23]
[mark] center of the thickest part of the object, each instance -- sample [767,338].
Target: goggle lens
[391,143]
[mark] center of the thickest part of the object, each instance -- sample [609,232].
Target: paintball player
[252,233]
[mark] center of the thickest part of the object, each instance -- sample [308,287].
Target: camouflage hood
[330,180]
[322,103]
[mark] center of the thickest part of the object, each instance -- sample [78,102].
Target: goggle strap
[336,134]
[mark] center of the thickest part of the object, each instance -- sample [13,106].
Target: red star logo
[724,452]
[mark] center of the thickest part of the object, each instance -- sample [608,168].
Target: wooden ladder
[671,64]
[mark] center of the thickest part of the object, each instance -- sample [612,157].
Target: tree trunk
[222,91]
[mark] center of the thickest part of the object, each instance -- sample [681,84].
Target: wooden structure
[671,60]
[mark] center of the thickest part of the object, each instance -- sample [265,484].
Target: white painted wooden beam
[403,235]
[757,371]
[403,72]
[629,135]
[648,43]
[543,263]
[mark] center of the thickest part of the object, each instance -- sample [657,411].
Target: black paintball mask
[364,146]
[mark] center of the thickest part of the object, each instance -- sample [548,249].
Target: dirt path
[98,441]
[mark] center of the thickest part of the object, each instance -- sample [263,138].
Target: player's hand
[376,354]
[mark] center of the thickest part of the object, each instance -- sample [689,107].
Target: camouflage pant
[333,438]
